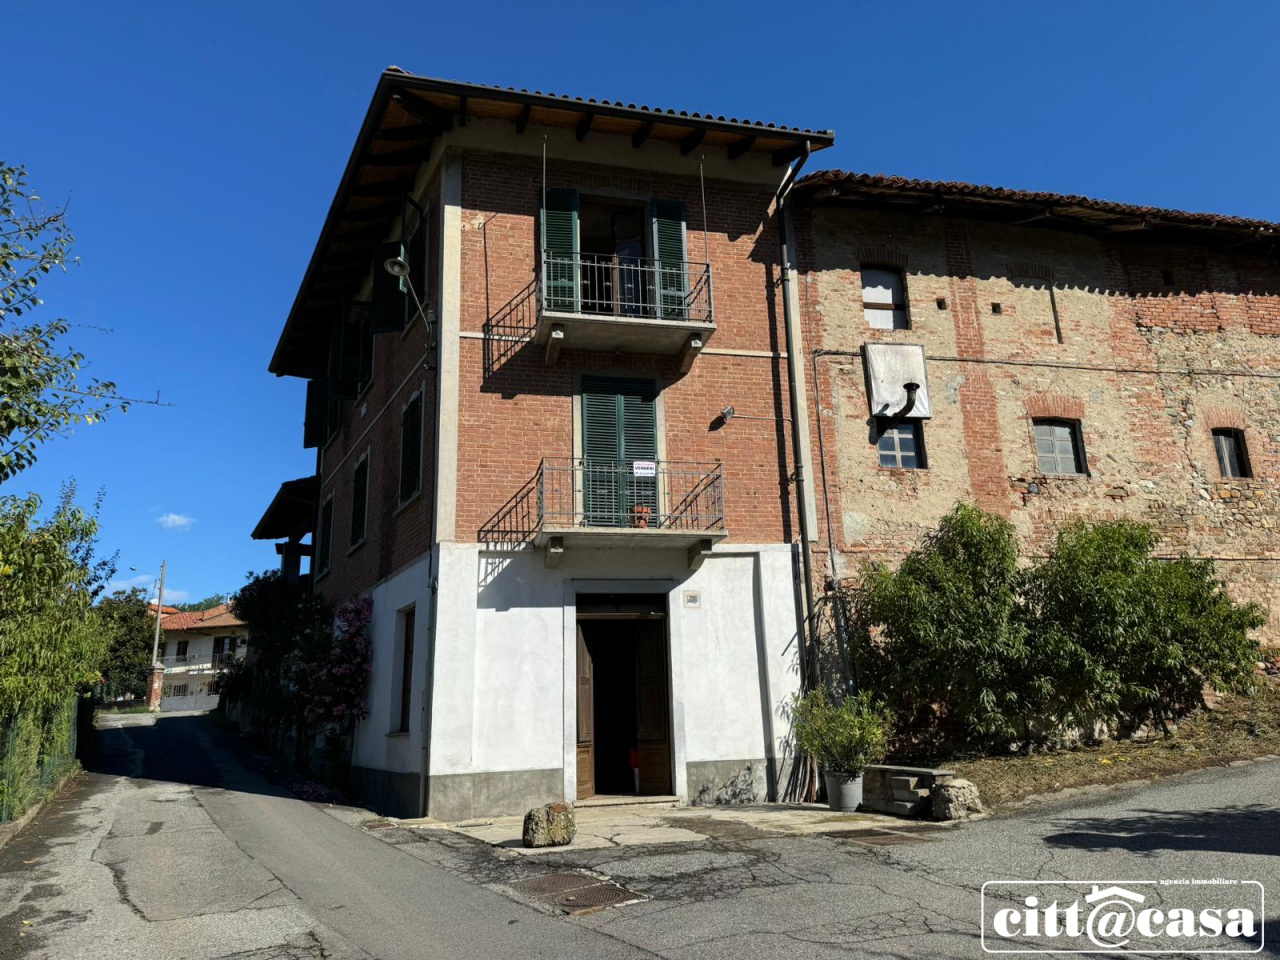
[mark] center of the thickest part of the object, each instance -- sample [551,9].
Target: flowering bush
[338,681]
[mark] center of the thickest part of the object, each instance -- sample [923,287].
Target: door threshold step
[626,800]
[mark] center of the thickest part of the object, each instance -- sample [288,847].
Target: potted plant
[844,737]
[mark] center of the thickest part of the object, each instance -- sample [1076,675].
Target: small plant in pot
[845,737]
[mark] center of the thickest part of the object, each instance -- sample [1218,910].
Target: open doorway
[623,703]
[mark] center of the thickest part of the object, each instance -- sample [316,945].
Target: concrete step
[910,796]
[904,783]
[902,808]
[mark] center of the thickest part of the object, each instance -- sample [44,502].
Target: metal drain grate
[573,892]
[553,884]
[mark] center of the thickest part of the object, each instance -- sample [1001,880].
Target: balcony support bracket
[692,347]
[555,552]
[555,340]
[699,552]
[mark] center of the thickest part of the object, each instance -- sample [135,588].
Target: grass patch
[132,708]
[1239,728]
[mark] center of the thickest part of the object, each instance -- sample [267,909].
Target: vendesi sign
[644,468]
[1184,917]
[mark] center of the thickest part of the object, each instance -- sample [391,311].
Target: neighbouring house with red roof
[198,645]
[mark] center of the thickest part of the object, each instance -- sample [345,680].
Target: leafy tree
[50,644]
[41,394]
[128,623]
[208,603]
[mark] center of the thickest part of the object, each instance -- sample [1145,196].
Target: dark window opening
[1233,455]
[1059,447]
[359,500]
[406,670]
[325,537]
[901,447]
[411,449]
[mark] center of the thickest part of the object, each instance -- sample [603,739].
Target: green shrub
[942,637]
[1144,635]
[844,737]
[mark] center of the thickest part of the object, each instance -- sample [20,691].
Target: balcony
[645,504]
[194,663]
[624,304]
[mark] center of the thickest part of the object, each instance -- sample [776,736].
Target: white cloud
[175,521]
[175,596]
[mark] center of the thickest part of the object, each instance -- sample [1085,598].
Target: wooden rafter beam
[522,121]
[584,126]
[741,147]
[434,115]
[690,143]
[371,214]
[462,110]
[640,136]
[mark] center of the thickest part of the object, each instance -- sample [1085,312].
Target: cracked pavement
[181,847]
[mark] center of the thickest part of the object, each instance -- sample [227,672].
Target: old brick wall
[514,410]
[1160,345]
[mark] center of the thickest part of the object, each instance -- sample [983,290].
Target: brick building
[557,454]
[1079,358]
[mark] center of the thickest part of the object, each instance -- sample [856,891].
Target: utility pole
[155,644]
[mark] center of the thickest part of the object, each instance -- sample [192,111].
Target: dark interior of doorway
[624,744]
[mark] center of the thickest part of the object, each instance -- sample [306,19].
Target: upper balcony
[629,504]
[624,304]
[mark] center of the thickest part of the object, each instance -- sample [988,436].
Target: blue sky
[199,146]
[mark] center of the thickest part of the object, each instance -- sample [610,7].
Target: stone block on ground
[551,825]
[956,800]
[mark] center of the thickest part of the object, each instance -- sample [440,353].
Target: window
[324,538]
[1059,447]
[411,448]
[406,670]
[180,690]
[619,427]
[182,647]
[612,257]
[1233,457]
[884,301]
[359,500]
[901,447]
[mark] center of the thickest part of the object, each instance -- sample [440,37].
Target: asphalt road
[176,848]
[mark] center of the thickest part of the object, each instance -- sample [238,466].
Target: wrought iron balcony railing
[636,495]
[625,287]
[194,662]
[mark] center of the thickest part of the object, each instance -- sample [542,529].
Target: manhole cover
[587,898]
[553,883]
[573,892]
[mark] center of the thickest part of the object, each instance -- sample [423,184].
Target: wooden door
[586,721]
[653,727]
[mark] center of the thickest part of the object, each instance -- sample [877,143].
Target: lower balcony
[629,504]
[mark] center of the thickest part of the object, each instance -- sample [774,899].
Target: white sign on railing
[644,468]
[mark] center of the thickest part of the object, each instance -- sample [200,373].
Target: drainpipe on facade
[799,417]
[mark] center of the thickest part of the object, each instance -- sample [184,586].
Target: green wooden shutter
[359,501]
[351,350]
[619,427]
[411,449]
[600,448]
[315,428]
[668,250]
[324,537]
[560,250]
